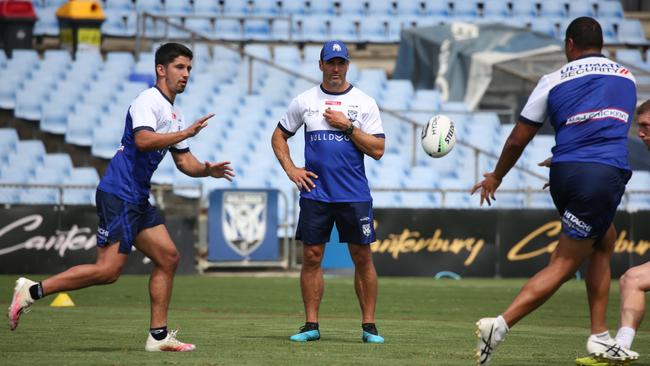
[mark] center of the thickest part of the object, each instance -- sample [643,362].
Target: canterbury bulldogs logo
[244,220]
[352,114]
[365,228]
[336,48]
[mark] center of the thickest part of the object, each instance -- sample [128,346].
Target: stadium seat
[436,8]
[13,175]
[55,115]
[630,31]
[47,23]
[257,30]
[152,6]
[291,7]
[426,99]
[524,8]
[236,7]
[467,9]
[344,28]
[495,9]
[206,7]
[286,55]
[228,29]
[265,7]
[407,8]
[351,8]
[382,8]
[610,9]
[320,7]
[553,9]
[178,7]
[312,29]
[580,8]
[375,29]
[80,196]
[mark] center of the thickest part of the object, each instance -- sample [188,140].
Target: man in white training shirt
[153,126]
[342,125]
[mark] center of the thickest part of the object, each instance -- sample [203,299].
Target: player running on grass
[153,126]
[590,103]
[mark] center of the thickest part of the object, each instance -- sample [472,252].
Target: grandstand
[60,96]
[251,58]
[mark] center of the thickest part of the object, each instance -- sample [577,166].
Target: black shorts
[586,195]
[353,221]
[121,221]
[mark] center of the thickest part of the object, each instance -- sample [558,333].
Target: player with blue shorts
[154,124]
[590,103]
[342,125]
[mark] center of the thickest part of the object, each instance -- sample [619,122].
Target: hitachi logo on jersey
[572,70]
[571,220]
[601,114]
[328,136]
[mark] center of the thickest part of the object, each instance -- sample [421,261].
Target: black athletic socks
[36,291]
[309,326]
[370,328]
[158,333]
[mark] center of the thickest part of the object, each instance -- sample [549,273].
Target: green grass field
[247,321]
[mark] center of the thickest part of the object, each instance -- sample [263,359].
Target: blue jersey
[330,154]
[590,103]
[129,172]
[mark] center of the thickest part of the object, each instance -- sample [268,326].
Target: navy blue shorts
[586,196]
[353,221]
[121,221]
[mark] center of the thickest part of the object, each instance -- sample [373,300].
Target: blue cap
[333,49]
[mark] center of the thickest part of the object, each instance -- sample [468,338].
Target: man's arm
[187,163]
[299,176]
[519,138]
[147,140]
[370,145]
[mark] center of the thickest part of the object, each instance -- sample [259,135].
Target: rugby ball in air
[438,136]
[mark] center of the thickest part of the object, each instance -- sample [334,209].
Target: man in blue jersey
[153,126]
[590,103]
[342,125]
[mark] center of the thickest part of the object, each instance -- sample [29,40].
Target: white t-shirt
[328,152]
[129,172]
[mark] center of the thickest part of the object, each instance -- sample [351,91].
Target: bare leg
[598,280]
[311,280]
[566,259]
[106,270]
[365,280]
[156,244]
[634,284]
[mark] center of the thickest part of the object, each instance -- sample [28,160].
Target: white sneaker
[21,302]
[609,350]
[485,330]
[169,344]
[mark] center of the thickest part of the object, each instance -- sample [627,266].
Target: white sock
[602,336]
[625,336]
[501,329]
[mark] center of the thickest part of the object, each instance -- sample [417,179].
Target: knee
[170,261]
[312,259]
[629,280]
[108,275]
[362,257]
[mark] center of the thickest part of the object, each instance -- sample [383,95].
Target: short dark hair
[643,108]
[585,32]
[167,53]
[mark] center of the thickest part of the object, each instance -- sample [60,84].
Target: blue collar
[163,94]
[333,93]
